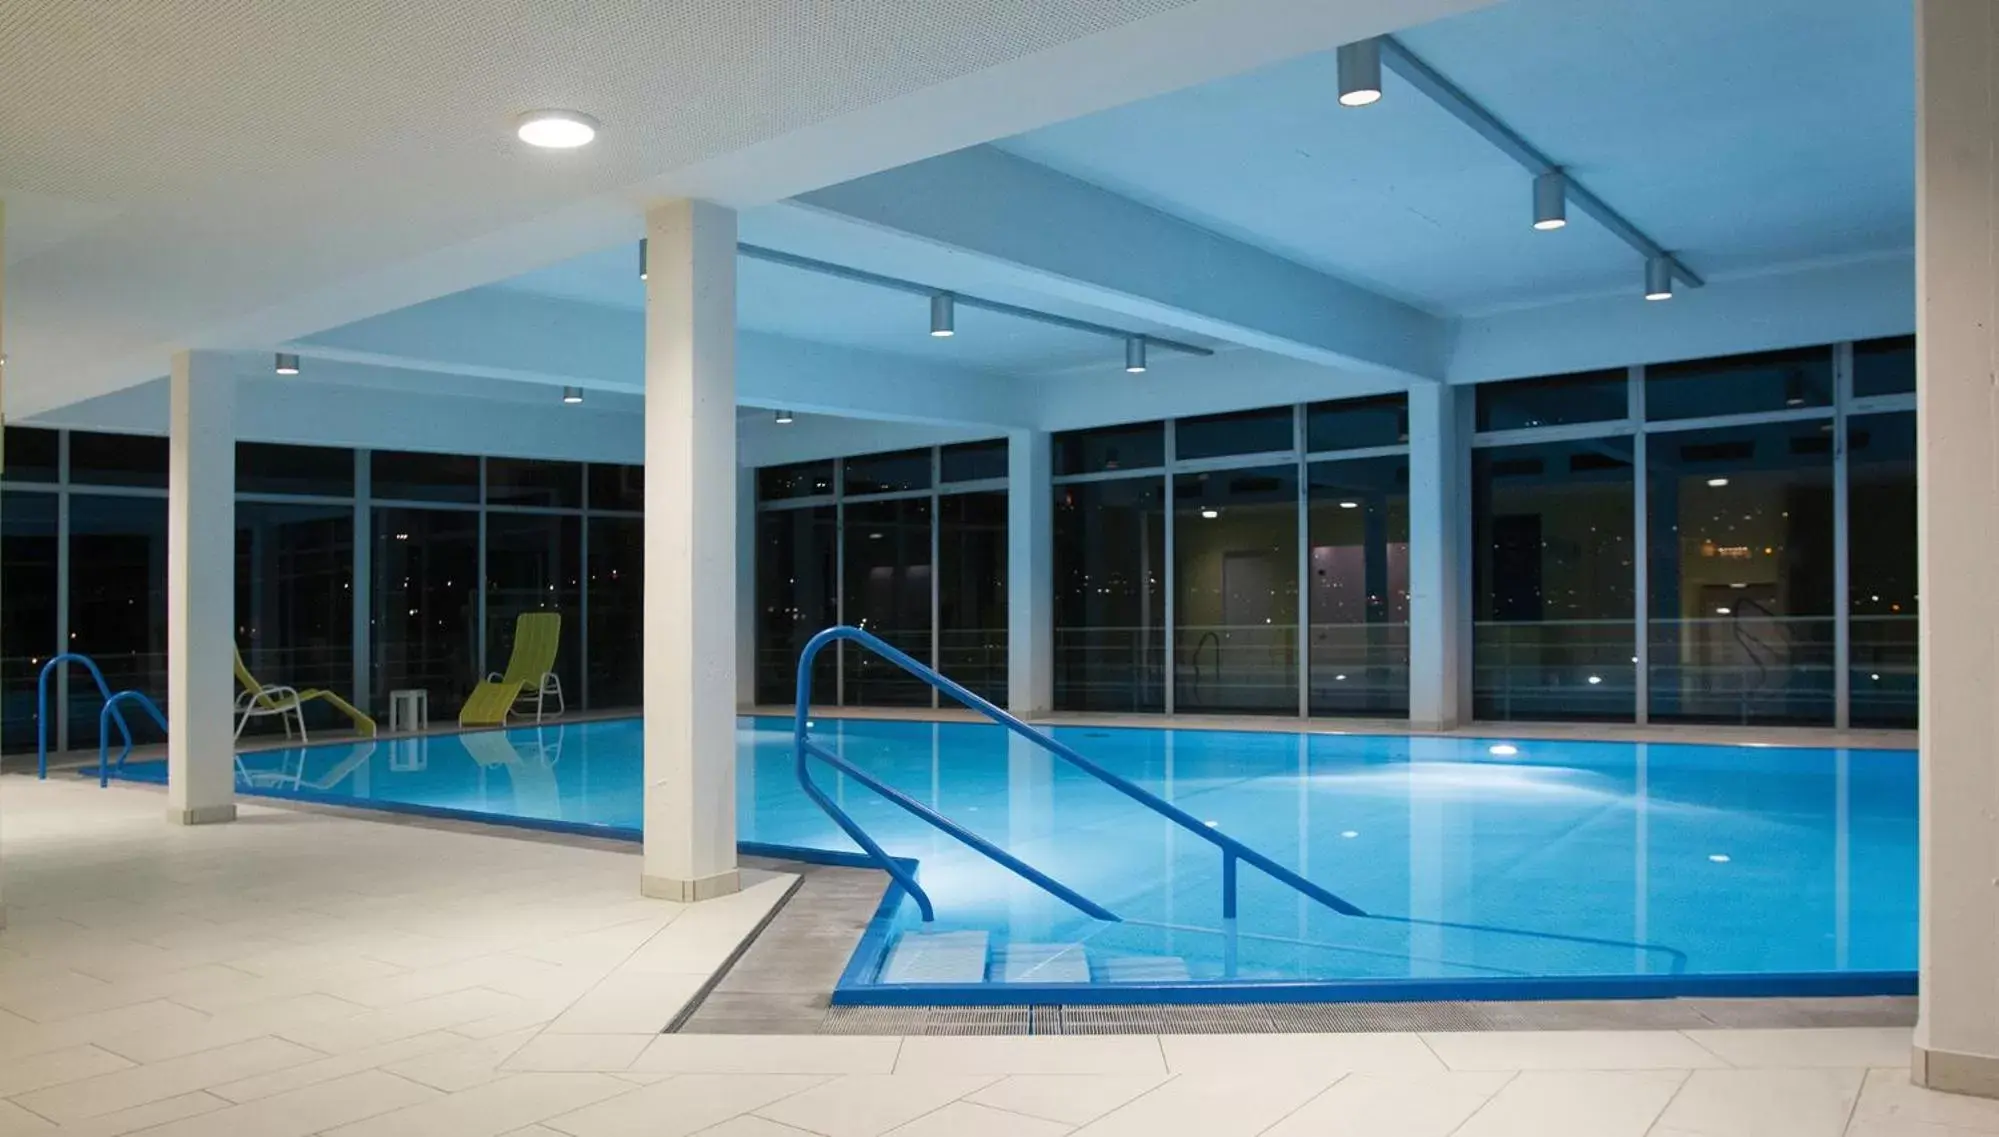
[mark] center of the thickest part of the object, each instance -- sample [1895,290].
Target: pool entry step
[970,957]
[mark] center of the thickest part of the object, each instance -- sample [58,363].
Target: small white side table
[409,710]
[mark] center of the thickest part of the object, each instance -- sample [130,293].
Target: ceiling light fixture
[1658,278]
[1551,200]
[572,395]
[287,364]
[782,418]
[556,129]
[1134,355]
[943,315]
[1360,73]
[642,258]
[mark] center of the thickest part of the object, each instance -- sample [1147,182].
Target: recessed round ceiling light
[556,130]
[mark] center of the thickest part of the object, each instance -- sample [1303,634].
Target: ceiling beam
[502,334]
[1050,233]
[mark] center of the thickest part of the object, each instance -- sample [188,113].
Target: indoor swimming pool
[1501,868]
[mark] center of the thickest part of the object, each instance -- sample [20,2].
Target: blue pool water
[1508,867]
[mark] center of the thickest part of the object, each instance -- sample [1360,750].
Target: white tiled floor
[298,974]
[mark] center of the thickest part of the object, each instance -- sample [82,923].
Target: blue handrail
[42,706]
[1233,851]
[104,718]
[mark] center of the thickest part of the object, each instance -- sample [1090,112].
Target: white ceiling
[234,173]
[1746,136]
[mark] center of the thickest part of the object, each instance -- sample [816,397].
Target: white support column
[201,589]
[1439,579]
[690,552]
[746,587]
[1030,574]
[1957,344]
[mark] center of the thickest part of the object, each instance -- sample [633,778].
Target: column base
[203,814]
[691,891]
[1974,1074]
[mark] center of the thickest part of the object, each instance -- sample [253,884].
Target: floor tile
[142,1117]
[1888,1095]
[106,1093]
[466,1064]
[565,1053]
[681,1105]
[1899,1127]
[54,1067]
[963,1119]
[769,1054]
[300,1112]
[630,1003]
[1394,1105]
[867,1105]
[1214,1105]
[750,1125]
[1765,1103]
[1847,1047]
[1571,1050]
[373,1028]
[237,1025]
[1033,1054]
[337,1066]
[492,1108]
[18,1122]
[1575,1103]
[1073,1099]
[1295,1053]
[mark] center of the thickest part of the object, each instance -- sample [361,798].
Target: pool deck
[305,971]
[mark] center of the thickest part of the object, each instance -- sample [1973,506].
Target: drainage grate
[1238,1019]
[1348,1018]
[928,1020]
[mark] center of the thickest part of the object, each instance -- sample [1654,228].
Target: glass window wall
[117,602]
[1881,587]
[1553,633]
[887,592]
[532,565]
[426,601]
[971,590]
[28,588]
[1110,595]
[797,596]
[1235,593]
[1741,573]
[1357,586]
[295,599]
[616,652]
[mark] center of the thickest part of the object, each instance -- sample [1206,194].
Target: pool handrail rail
[42,707]
[104,717]
[1233,851]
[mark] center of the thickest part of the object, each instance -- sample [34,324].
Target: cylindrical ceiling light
[572,395]
[642,258]
[1360,72]
[943,315]
[1658,278]
[782,418]
[287,364]
[1551,200]
[1134,355]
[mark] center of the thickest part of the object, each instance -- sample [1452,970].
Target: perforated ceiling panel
[179,168]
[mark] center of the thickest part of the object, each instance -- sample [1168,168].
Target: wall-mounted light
[943,315]
[1360,73]
[1211,514]
[782,418]
[642,258]
[556,129]
[572,395]
[1551,200]
[1658,278]
[287,364]
[1134,355]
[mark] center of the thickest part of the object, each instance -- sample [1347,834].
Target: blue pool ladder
[110,714]
[1234,852]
